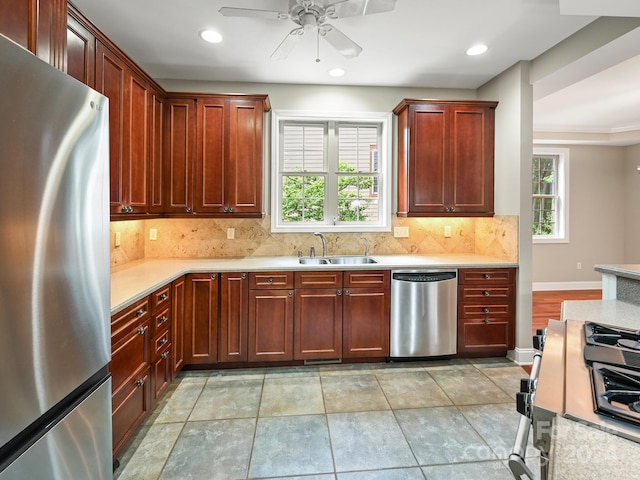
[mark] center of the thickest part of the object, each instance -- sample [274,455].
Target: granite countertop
[135,280]
[610,312]
[623,270]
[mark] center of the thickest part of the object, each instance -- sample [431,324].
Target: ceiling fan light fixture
[211,36]
[477,50]
[337,72]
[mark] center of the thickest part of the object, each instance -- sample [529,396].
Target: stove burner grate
[617,392]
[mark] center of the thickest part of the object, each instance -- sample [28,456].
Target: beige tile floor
[452,419]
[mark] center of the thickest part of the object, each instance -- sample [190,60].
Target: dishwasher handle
[424,277]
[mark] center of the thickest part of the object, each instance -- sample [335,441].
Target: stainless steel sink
[351,259]
[313,261]
[342,260]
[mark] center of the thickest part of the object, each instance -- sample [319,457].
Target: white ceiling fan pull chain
[318,45]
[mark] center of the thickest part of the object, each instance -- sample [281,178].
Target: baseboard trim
[546,286]
[521,356]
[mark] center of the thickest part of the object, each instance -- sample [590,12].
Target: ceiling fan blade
[250,12]
[354,8]
[286,46]
[338,40]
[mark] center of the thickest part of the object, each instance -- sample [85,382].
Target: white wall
[632,204]
[596,219]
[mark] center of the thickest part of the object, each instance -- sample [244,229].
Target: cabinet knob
[486,293]
[140,382]
[339,292]
[140,331]
[486,320]
[163,297]
[270,280]
[225,210]
[487,276]
[213,276]
[162,319]
[347,292]
[188,209]
[163,340]
[140,312]
[290,294]
[230,209]
[243,276]
[164,355]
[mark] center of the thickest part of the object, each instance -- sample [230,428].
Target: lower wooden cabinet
[234,317]
[201,318]
[271,300]
[177,353]
[486,311]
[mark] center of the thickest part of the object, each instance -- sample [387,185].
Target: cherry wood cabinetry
[39,26]
[201,318]
[445,158]
[486,311]
[161,320]
[317,331]
[271,300]
[81,49]
[365,314]
[129,367]
[178,292]
[234,317]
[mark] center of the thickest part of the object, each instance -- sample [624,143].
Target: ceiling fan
[312,15]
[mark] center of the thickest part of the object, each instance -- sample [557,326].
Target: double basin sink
[340,260]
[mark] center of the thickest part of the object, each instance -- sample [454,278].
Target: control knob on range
[539,338]
[523,403]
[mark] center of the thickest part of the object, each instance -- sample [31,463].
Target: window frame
[561,234]
[384,158]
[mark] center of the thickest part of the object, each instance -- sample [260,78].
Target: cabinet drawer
[160,343]
[124,321]
[129,355]
[161,320]
[160,299]
[490,310]
[487,276]
[373,278]
[479,336]
[260,280]
[318,279]
[482,295]
[161,373]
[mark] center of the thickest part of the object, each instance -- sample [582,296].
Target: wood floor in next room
[548,304]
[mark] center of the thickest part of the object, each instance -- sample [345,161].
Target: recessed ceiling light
[211,36]
[336,72]
[477,50]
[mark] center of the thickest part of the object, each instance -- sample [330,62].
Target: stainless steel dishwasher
[423,313]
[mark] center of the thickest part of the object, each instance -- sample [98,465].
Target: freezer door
[79,446]
[54,237]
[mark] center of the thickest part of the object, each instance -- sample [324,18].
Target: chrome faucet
[366,246]
[324,243]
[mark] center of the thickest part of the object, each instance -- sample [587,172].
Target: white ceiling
[421,43]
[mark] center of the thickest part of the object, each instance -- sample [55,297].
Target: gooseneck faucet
[366,246]
[324,243]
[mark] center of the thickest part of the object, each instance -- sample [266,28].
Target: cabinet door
[161,374]
[178,292]
[81,50]
[201,319]
[179,155]
[156,153]
[484,337]
[317,324]
[243,172]
[471,162]
[366,317]
[270,325]
[37,25]
[234,317]
[211,161]
[428,169]
[111,81]
[130,406]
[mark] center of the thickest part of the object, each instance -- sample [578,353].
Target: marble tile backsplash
[207,237]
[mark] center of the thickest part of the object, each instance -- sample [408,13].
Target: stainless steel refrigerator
[55,388]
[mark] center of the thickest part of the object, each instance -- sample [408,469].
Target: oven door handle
[517,463]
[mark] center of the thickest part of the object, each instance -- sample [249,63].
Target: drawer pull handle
[140,382]
[485,310]
[140,312]
[165,355]
[486,293]
[163,297]
[140,331]
[486,320]
[270,280]
[162,319]
[162,341]
[487,276]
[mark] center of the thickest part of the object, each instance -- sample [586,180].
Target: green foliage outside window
[303,197]
[544,189]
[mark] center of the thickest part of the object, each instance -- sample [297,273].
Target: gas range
[587,372]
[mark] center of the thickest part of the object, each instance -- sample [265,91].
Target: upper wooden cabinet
[39,26]
[445,158]
[213,155]
[81,49]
